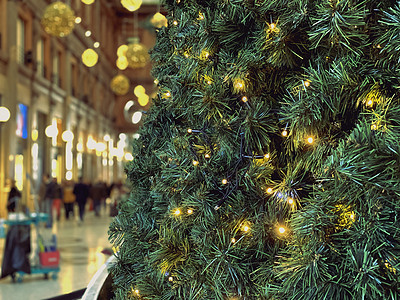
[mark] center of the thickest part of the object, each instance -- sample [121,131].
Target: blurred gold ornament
[122,62]
[121,51]
[139,90]
[89,57]
[58,19]
[120,85]
[159,20]
[131,5]
[143,99]
[87,2]
[137,55]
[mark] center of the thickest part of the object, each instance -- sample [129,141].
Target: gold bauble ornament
[137,55]
[143,99]
[120,85]
[131,5]
[58,19]
[159,20]
[87,2]
[139,90]
[89,57]
[121,51]
[122,62]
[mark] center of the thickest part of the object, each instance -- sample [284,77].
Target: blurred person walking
[49,197]
[81,192]
[69,198]
[13,197]
[58,199]
[97,193]
[42,193]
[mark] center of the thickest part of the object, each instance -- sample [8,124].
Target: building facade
[49,91]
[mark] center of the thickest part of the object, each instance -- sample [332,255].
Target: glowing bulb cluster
[177,212]
[205,54]
[239,85]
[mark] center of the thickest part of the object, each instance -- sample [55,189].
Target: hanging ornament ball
[137,55]
[121,51]
[122,62]
[143,99]
[131,5]
[139,90]
[58,19]
[89,57]
[159,20]
[120,85]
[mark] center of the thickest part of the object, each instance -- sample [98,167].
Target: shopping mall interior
[74,82]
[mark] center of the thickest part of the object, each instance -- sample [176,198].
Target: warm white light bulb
[282,230]
[224,181]
[270,190]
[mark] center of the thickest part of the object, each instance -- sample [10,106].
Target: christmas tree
[269,164]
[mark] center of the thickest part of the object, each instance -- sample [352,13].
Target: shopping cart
[18,260]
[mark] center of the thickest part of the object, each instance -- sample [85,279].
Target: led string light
[233,185]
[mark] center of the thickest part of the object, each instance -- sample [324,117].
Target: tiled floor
[80,249]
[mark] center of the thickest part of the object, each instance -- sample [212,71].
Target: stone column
[8,138]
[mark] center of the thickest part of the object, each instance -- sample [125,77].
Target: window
[56,69]
[20,41]
[74,75]
[40,57]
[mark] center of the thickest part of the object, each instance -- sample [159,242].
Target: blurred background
[74,83]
